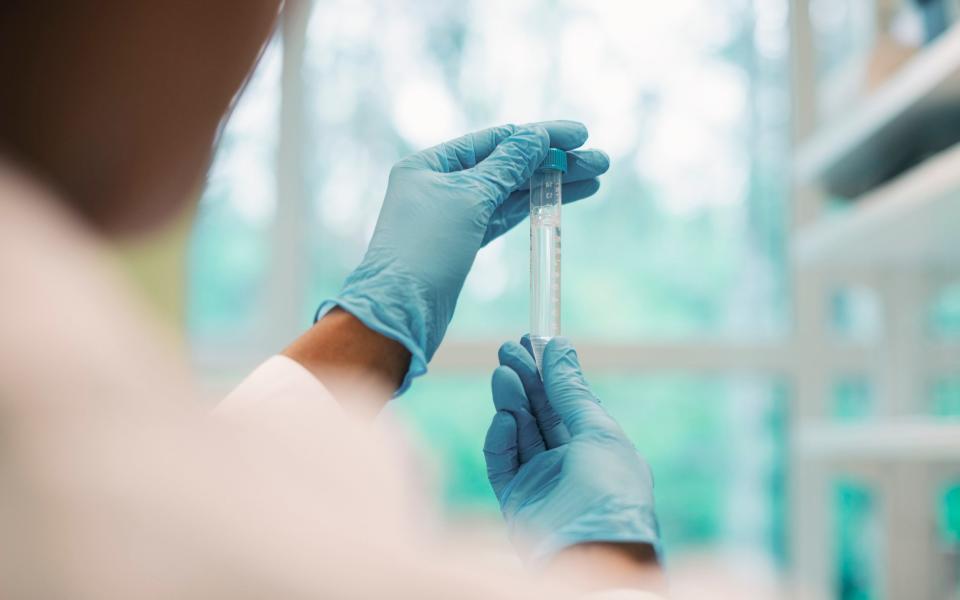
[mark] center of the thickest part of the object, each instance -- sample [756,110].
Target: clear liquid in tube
[544,267]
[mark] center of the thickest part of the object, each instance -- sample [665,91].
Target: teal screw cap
[555,160]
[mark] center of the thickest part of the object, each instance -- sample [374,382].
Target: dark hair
[115,103]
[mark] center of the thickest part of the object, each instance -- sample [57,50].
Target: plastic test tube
[545,200]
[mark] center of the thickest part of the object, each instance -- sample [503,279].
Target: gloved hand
[442,205]
[560,465]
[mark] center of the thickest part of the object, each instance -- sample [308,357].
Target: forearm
[356,363]
[604,565]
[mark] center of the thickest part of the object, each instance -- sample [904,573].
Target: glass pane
[229,247]
[945,313]
[716,447]
[945,396]
[852,398]
[949,522]
[948,513]
[689,99]
[842,29]
[856,313]
[858,540]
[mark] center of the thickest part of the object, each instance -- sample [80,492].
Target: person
[117,481]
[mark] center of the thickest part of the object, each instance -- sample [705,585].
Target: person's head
[116,103]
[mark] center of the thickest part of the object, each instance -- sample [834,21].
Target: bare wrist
[605,565]
[353,361]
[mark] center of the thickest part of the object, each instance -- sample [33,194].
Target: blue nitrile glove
[561,467]
[442,205]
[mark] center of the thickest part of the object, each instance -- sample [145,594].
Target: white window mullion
[288,271]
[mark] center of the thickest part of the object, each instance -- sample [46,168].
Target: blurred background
[765,291]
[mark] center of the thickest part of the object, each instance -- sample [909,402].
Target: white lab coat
[116,482]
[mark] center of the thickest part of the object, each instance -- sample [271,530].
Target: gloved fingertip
[576,130]
[540,135]
[507,390]
[592,161]
[516,357]
[578,190]
[558,346]
[507,351]
[560,359]
[525,342]
[598,160]
[502,351]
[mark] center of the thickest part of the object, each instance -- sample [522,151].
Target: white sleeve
[281,387]
[280,383]
[624,594]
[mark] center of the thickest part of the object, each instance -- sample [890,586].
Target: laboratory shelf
[920,101]
[911,221]
[907,439]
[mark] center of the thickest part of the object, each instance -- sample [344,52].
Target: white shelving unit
[910,221]
[905,440]
[902,238]
[930,81]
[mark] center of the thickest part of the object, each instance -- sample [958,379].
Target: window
[684,242]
